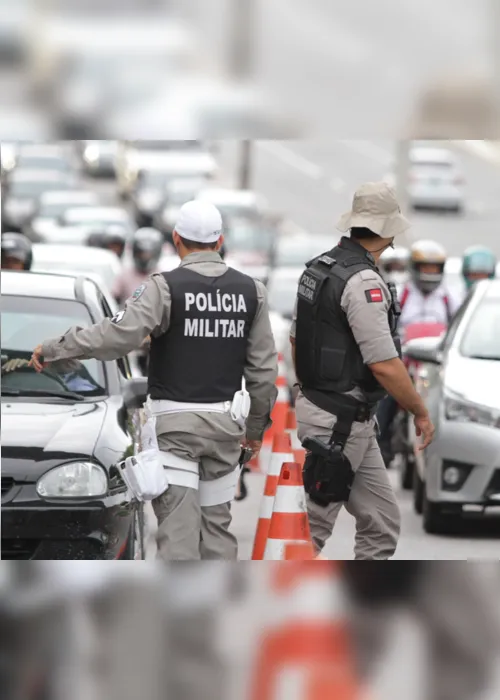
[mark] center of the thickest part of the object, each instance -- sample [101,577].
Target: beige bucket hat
[375,206]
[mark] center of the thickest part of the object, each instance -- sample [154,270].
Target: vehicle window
[481,338]
[455,323]
[25,323]
[34,188]
[249,238]
[281,295]
[44,162]
[56,209]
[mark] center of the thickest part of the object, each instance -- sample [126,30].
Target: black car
[64,430]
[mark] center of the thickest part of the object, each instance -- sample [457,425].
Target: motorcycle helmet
[427,261]
[114,239]
[478,263]
[147,244]
[95,239]
[17,252]
[394,264]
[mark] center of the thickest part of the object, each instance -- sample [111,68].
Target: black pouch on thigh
[328,479]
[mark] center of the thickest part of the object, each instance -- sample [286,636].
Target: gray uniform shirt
[147,312]
[368,319]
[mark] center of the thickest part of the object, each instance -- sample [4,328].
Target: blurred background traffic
[252,69]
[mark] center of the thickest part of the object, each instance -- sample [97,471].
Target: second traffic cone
[282,452]
[289,522]
[299,452]
[303,551]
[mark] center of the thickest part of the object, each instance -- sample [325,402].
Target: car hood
[476,380]
[38,436]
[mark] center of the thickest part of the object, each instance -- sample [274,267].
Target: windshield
[297,253]
[481,338]
[167,145]
[44,162]
[91,217]
[182,192]
[53,210]
[34,188]
[282,294]
[26,322]
[248,237]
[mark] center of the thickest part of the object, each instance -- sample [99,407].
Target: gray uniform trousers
[186,531]
[457,608]
[372,501]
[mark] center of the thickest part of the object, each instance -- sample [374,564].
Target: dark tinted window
[26,322]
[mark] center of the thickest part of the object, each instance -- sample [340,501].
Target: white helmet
[394,264]
[427,253]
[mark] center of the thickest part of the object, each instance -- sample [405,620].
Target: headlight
[91,154]
[74,480]
[458,409]
[149,199]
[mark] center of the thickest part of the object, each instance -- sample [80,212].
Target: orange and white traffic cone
[289,521]
[291,428]
[282,452]
[305,650]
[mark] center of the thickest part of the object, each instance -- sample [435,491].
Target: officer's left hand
[36,359]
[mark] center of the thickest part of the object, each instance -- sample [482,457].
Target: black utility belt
[341,405]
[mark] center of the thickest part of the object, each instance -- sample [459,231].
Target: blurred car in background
[173,157]
[235,203]
[98,157]
[14,22]
[248,246]
[458,475]
[436,180]
[295,249]
[177,193]
[76,223]
[101,265]
[53,156]
[64,430]
[51,206]
[22,191]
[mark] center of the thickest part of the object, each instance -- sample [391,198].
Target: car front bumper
[37,529]
[439,197]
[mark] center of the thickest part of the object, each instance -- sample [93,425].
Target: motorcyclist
[394,265]
[17,252]
[112,238]
[478,263]
[147,244]
[423,299]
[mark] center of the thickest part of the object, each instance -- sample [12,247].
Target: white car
[98,157]
[235,203]
[435,179]
[101,265]
[52,205]
[294,250]
[76,223]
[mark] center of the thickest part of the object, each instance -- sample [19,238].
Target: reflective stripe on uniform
[159,407]
[218,491]
[180,472]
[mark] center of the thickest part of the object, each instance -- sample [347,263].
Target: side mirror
[135,392]
[424,350]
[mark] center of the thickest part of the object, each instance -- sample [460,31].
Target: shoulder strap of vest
[404,296]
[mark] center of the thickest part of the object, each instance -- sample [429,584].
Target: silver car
[458,476]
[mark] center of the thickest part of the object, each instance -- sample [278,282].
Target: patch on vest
[118,317]
[309,286]
[216,326]
[138,292]
[373,295]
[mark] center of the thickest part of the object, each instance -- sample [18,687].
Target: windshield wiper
[43,392]
[484,357]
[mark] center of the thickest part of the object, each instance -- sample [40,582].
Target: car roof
[62,196]
[32,174]
[38,284]
[101,211]
[52,251]
[230,196]
[431,155]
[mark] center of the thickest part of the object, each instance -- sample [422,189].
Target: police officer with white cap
[347,356]
[209,328]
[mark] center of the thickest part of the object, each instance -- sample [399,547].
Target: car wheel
[135,545]
[418,492]
[434,521]
[406,471]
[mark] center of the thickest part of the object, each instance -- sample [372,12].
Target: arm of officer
[366,302]
[147,313]
[261,368]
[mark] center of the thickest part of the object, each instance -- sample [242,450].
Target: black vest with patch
[328,358]
[201,356]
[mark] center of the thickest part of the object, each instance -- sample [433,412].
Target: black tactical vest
[328,358]
[201,356]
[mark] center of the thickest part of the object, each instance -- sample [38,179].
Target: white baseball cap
[199,221]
